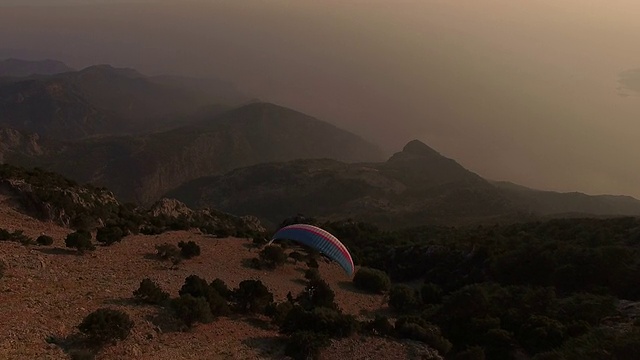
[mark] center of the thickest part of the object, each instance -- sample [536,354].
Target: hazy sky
[525,91]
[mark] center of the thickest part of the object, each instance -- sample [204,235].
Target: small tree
[44,240]
[106,325]
[191,309]
[149,292]
[312,274]
[272,256]
[318,293]
[371,280]
[252,296]
[167,251]
[380,326]
[222,288]
[189,249]
[81,240]
[306,344]
[431,293]
[109,234]
[403,298]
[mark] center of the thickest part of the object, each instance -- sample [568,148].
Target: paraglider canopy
[320,240]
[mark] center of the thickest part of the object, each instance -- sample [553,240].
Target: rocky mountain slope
[415,186]
[53,198]
[142,168]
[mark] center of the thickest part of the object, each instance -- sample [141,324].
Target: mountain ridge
[414,186]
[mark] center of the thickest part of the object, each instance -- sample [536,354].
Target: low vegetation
[541,288]
[105,326]
[372,280]
[80,240]
[44,240]
[150,293]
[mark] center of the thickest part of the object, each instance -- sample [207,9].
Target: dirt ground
[48,290]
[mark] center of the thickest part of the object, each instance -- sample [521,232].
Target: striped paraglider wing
[320,240]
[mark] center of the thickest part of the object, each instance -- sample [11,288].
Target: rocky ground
[48,290]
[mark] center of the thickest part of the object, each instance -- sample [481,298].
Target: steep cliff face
[174,209]
[14,142]
[142,168]
[51,198]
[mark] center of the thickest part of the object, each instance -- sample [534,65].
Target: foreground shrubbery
[16,236]
[81,240]
[44,240]
[106,325]
[372,280]
[150,293]
[495,290]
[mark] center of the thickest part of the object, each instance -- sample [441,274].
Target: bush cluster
[372,280]
[106,325]
[81,240]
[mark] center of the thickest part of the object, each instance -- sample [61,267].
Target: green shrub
[403,298]
[306,344]
[198,287]
[428,333]
[431,293]
[312,263]
[312,274]
[44,240]
[371,280]
[222,288]
[167,251]
[318,293]
[381,326]
[149,292]
[106,325]
[252,296]
[540,333]
[151,230]
[272,256]
[81,240]
[320,320]
[192,310]
[82,354]
[189,249]
[278,311]
[109,234]
[259,240]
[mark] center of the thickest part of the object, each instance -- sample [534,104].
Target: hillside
[552,202]
[414,186]
[530,294]
[49,289]
[19,67]
[102,100]
[142,168]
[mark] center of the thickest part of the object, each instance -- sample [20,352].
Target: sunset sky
[524,91]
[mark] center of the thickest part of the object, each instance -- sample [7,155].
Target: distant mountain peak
[111,70]
[417,147]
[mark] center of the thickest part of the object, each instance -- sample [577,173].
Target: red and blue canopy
[320,240]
